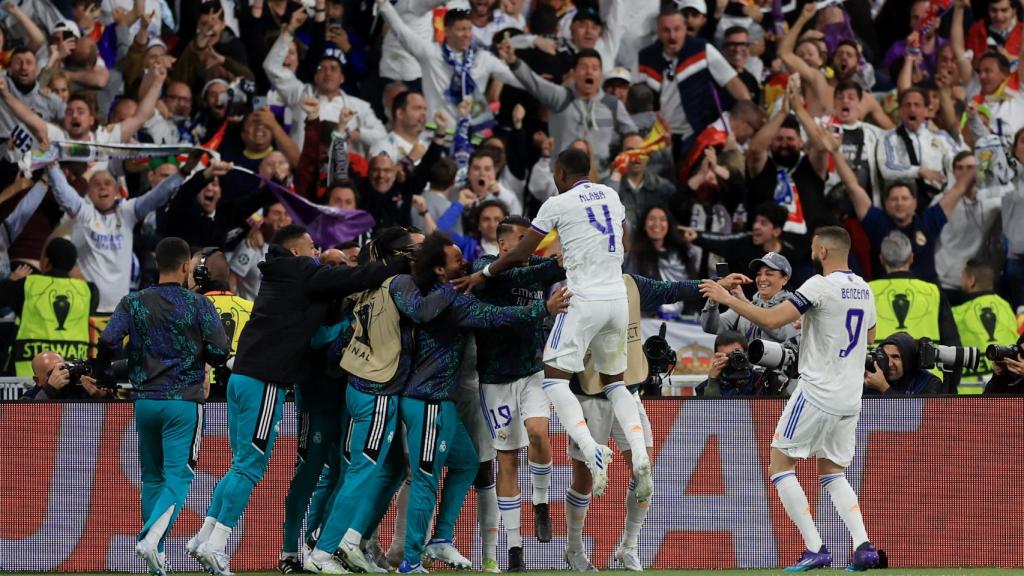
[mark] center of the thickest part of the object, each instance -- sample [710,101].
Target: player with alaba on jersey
[588,218]
[820,419]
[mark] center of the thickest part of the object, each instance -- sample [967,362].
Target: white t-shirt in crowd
[838,310]
[245,265]
[588,218]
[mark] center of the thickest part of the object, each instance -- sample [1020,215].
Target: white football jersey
[588,218]
[838,310]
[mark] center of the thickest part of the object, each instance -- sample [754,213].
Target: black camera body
[78,368]
[876,356]
[997,353]
[737,360]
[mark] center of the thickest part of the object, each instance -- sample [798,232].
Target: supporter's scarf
[462,85]
[328,226]
[787,195]
[936,10]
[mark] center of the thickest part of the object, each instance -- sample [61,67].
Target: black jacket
[184,218]
[292,303]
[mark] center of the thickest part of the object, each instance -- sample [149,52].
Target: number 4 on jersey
[605,228]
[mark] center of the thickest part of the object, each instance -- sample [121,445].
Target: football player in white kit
[820,418]
[588,218]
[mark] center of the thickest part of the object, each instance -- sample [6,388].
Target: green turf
[833,572]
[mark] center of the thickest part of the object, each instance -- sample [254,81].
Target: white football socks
[570,413]
[636,512]
[795,502]
[628,415]
[845,501]
[510,507]
[540,477]
[487,517]
[576,506]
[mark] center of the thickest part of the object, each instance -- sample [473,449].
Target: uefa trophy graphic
[61,308]
[229,325]
[901,307]
[988,320]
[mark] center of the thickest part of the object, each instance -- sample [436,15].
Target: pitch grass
[777,572]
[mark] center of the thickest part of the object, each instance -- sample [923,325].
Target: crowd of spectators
[779,117]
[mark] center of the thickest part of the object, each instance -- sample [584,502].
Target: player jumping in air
[588,218]
[820,419]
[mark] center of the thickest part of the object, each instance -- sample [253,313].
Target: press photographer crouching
[1007,369]
[59,380]
[900,366]
[732,373]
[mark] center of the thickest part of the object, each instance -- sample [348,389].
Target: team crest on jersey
[391,435]
[317,438]
[502,434]
[443,446]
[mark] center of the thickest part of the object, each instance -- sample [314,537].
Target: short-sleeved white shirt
[245,264]
[838,310]
[588,218]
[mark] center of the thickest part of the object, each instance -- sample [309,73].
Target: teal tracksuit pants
[169,434]
[254,412]
[437,438]
[318,459]
[375,470]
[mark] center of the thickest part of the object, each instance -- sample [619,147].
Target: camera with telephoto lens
[876,356]
[774,356]
[946,358]
[997,353]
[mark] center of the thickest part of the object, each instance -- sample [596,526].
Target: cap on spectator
[333,54]
[379,149]
[155,42]
[698,5]
[67,26]
[210,7]
[588,13]
[158,161]
[462,5]
[211,83]
[773,260]
[619,73]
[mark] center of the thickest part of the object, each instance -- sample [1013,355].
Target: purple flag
[328,226]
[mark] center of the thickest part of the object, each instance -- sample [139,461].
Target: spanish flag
[658,139]
[550,241]
[775,89]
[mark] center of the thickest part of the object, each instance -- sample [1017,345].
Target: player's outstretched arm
[771,318]
[521,252]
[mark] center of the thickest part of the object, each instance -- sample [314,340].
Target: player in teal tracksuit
[322,416]
[375,470]
[172,334]
[435,434]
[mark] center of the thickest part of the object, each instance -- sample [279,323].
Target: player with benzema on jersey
[820,419]
[588,218]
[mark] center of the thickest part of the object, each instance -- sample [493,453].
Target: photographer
[902,373]
[731,374]
[172,333]
[55,382]
[1008,374]
[771,273]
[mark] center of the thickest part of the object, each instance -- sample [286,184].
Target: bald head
[217,266]
[43,364]
[333,257]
